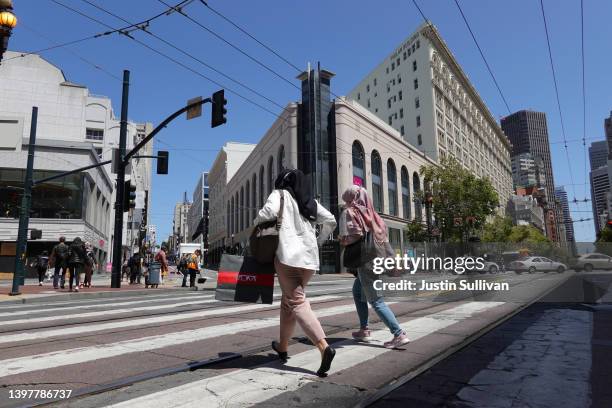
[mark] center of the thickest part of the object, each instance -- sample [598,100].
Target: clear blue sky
[349,38]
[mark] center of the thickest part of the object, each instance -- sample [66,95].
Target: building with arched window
[377,186]
[392,187]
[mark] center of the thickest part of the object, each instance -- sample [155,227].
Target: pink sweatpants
[294,305]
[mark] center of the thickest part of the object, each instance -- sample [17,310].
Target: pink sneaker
[398,341]
[362,335]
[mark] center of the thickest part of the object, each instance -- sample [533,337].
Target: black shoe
[282,355]
[328,356]
[62,287]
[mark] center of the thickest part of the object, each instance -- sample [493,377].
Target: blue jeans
[364,295]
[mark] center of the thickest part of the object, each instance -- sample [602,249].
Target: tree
[527,234]
[416,232]
[461,201]
[497,230]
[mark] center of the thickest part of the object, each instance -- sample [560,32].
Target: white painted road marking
[89,328]
[246,387]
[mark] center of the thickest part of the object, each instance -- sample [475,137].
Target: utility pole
[118,232]
[24,213]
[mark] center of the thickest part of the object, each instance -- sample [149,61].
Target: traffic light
[162,162]
[129,196]
[218,109]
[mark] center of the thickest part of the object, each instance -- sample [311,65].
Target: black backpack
[61,252]
[43,262]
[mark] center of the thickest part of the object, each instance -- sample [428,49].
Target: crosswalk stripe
[103,312]
[90,328]
[251,386]
[89,301]
[79,355]
[87,306]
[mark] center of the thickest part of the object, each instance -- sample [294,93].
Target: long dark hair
[296,183]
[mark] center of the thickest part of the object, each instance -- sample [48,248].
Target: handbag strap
[279,218]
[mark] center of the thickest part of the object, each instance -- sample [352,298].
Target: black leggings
[41,273]
[75,270]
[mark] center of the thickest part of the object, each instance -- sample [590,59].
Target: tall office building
[528,133]
[608,130]
[598,154]
[197,217]
[561,197]
[600,186]
[421,90]
[527,171]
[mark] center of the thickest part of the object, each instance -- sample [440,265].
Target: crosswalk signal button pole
[217,117]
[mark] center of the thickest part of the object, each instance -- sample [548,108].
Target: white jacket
[298,243]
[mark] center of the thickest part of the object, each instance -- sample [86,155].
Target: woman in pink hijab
[358,218]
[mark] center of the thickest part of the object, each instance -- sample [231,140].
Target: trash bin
[154,274]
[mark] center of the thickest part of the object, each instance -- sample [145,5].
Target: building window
[414,65]
[389,103]
[392,187]
[368,88]
[402,130]
[419,139]
[261,186]
[358,96]
[404,54]
[281,159]
[270,175]
[247,205]
[388,88]
[391,119]
[394,98]
[405,193]
[394,82]
[416,187]
[416,83]
[94,134]
[229,218]
[368,102]
[387,70]
[358,164]
[395,115]
[401,112]
[254,198]
[417,103]
[398,62]
[418,121]
[231,231]
[374,81]
[418,44]
[392,66]
[399,79]
[399,95]
[241,210]
[409,52]
[413,47]
[377,196]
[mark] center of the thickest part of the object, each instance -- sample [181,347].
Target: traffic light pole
[118,231]
[24,212]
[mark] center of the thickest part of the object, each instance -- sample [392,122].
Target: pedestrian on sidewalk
[76,262]
[182,268]
[356,220]
[135,264]
[90,264]
[297,258]
[192,268]
[42,263]
[160,257]
[59,260]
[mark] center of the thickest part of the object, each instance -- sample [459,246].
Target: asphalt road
[136,351]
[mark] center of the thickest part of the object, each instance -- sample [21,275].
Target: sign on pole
[195,111]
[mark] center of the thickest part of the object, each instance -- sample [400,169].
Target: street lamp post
[8,21]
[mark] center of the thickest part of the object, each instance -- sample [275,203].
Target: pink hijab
[361,214]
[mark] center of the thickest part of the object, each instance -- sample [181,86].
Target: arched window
[254,198]
[231,231]
[392,187]
[377,193]
[416,187]
[281,159]
[241,212]
[270,174]
[358,165]
[405,193]
[228,228]
[261,186]
[236,212]
[247,205]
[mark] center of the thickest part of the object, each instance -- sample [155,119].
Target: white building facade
[75,129]
[421,91]
[197,217]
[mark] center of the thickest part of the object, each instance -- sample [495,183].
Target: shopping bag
[243,279]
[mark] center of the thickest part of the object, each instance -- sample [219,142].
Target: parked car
[490,267]
[533,264]
[588,262]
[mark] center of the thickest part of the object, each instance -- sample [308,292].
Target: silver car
[536,264]
[588,262]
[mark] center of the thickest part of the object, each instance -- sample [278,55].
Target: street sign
[195,111]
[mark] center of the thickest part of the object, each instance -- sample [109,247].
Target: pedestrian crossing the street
[142,335]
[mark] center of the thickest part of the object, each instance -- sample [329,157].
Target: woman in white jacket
[297,258]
